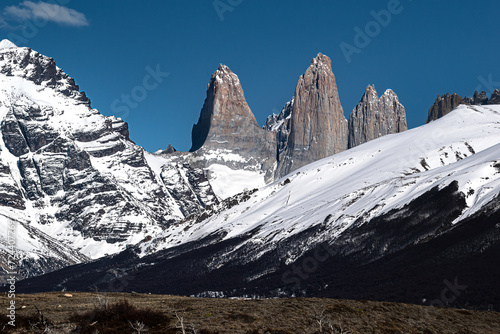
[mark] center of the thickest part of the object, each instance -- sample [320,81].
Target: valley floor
[273,316]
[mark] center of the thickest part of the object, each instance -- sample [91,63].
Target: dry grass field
[78,312]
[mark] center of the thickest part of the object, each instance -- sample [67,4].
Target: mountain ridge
[255,243]
[446,103]
[248,203]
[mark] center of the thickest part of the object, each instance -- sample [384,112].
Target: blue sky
[423,49]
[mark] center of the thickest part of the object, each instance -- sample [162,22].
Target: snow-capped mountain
[369,207]
[367,181]
[71,179]
[248,210]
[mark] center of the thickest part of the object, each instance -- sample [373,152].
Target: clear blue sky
[427,48]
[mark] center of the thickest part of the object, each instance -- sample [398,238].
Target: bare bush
[324,323]
[138,327]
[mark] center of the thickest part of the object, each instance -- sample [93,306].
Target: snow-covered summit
[6,44]
[70,177]
[405,209]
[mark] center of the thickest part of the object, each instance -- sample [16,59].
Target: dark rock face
[446,103]
[77,169]
[317,126]
[189,187]
[374,117]
[59,167]
[10,194]
[41,70]
[479,98]
[13,136]
[170,149]
[443,105]
[495,97]
[226,123]
[281,124]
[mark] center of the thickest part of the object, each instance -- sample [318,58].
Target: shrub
[116,318]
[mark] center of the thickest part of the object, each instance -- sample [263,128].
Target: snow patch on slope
[227,182]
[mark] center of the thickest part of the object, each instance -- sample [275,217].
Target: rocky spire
[374,117]
[317,126]
[227,123]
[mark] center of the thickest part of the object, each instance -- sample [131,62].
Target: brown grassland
[122,312]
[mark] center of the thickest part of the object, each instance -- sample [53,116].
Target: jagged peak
[169,150]
[223,68]
[390,93]
[321,60]
[6,44]
[370,88]
[225,112]
[447,95]
[495,97]
[479,94]
[370,94]
[42,70]
[224,74]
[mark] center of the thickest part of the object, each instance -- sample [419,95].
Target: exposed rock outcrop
[495,97]
[169,150]
[280,125]
[65,167]
[226,124]
[443,105]
[479,98]
[446,103]
[317,127]
[39,69]
[374,117]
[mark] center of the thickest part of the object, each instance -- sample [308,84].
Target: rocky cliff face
[374,117]
[226,124]
[443,105]
[70,178]
[317,127]
[495,97]
[39,69]
[364,215]
[280,125]
[446,103]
